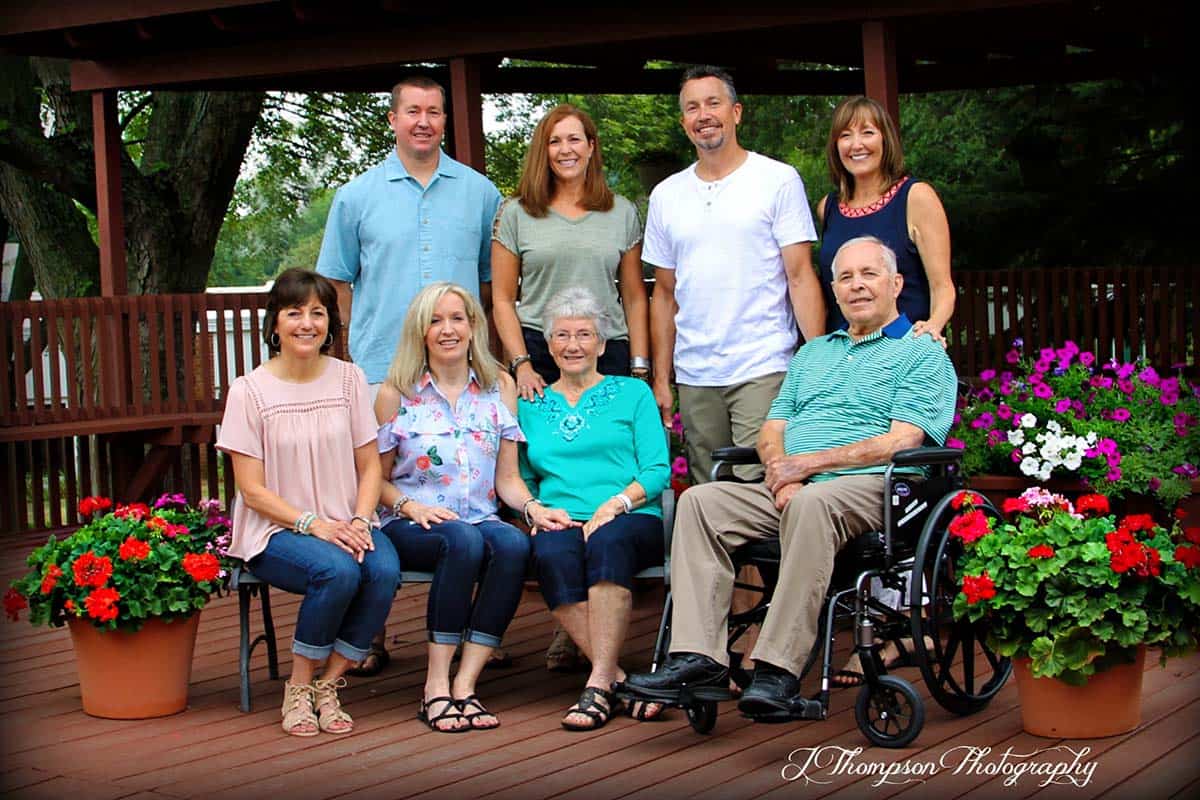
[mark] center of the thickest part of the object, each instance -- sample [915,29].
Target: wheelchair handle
[923,456]
[736,455]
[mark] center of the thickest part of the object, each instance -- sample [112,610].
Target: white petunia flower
[1028,421]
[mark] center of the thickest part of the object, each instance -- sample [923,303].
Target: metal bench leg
[269,632]
[244,645]
[663,641]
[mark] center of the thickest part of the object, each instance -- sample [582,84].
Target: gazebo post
[879,65]
[110,218]
[466,100]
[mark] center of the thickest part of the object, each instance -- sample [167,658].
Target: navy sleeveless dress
[889,224]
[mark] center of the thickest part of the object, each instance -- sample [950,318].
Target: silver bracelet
[356,517]
[639,362]
[625,501]
[525,510]
[305,521]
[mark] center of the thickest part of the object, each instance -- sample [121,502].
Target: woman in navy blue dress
[877,197]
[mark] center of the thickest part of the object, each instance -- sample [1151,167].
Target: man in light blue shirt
[417,218]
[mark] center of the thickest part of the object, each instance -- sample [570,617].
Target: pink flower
[1154,484]
[1187,471]
[1149,376]
[1101,382]
[1043,391]
[679,467]
[987,375]
[986,420]
[1106,446]
[1046,354]
[1012,357]
[1121,414]
[957,444]
[1184,420]
[1125,385]
[1006,389]
[1087,359]
[994,438]
[1062,406]
[1114,474]
[1004,412]
[1016,456]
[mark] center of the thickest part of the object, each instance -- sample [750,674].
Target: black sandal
[376,661]
[640,710]
[472,700]
[588,706]
[451,711]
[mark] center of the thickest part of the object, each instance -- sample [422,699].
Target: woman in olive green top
[566,228]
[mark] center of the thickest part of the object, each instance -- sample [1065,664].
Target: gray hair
[707,71]
[576,303]
[886,254]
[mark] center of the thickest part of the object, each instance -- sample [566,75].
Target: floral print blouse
[447,457]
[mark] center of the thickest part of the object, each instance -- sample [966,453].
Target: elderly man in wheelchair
[851,402]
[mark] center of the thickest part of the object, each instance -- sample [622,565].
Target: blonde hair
[411,361]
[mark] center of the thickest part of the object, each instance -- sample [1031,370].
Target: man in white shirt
[729,238]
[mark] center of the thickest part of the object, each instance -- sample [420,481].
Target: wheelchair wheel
[702,715]
[952,670]
[890,713]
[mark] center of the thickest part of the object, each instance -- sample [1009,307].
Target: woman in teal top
[594,447]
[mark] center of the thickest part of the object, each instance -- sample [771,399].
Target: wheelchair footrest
[802,708]
[683,698]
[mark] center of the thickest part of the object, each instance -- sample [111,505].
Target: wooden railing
[104,395]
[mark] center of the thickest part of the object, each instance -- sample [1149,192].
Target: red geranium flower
[14,602]
[1041,551]
[201,566]
[1016,505]
[978,588]
[969,499]
[1188,556]
[90,505]
[69,605]
[135,510]
[1192,535]
[1094,503]
[50,580]
[133,549]
[1138,522]
[1180,513]
[970,526]
[90,570]
[102,604]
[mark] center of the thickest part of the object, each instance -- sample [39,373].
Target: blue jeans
[567,566]
[459,554]
[345,603]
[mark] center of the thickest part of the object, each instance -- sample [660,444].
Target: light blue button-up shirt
[390,237]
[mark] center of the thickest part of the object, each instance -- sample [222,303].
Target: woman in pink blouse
[449,446]
[301,434]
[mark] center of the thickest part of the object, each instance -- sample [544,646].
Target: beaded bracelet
[305,521]
[364,520]
[625,501]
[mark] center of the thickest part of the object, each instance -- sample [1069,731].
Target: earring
[274,341]
[329,340]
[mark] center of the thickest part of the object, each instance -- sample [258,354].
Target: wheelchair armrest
[736,455]
[925,456]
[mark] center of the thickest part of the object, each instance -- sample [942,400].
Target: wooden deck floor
[52,750]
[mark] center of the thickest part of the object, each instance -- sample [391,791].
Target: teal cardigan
[577,458]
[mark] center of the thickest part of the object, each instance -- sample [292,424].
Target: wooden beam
[467,102]
[110,215]
[879,65]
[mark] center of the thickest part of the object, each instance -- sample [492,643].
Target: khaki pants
[721,416]
[715,519]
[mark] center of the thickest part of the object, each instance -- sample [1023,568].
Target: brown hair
[537,179]
[416,82]
[861,109]
[292,288]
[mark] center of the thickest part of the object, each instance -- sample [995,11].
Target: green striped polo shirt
[839,391]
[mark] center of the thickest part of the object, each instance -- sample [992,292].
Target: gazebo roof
[321,45]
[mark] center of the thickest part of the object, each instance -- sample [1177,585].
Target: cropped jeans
[345,603]
[460,554]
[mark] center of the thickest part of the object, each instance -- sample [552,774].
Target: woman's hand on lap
[349,537]
[549,519]
[428,516]
[604,514]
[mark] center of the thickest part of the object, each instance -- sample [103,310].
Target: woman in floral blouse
[596,448]
[449,447]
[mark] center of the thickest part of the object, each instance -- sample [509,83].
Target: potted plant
[1122,430]
[129,584]
[1075,597]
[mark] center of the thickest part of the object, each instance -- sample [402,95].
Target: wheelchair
[913,554]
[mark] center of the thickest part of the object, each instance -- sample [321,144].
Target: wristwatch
[399,504]
[516,362]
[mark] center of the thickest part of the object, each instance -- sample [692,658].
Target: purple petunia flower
[1018,343]
[679,466]
[1184,420]
[1121,414]
[1004,412]
[987,395]
[1016,456]
[1062,406]
[1087,359]
[1153,484]
[1114,474]
[1125,385]
[1187,471]
[1125,370]
[987,375]
[1042,366]
[957,444]
[1043,391]
[1148,376]
[995,437]
[1046,354]
[1107,446]
[1012,357]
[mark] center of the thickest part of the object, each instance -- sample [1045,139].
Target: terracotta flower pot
[135,675]
[1108,704]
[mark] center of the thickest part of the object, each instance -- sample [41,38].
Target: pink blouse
[305,434]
